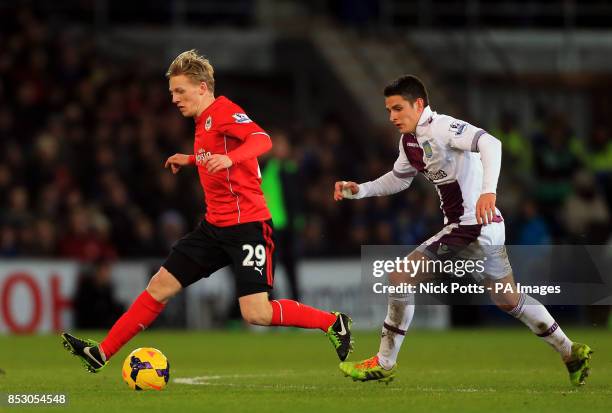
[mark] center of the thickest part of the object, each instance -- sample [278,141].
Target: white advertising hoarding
[36,296]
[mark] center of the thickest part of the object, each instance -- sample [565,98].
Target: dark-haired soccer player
[237,229]
[463,162]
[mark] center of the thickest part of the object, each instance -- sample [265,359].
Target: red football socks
[290,313]
[145,309]
[139,316]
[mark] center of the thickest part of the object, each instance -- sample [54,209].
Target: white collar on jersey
[425,120]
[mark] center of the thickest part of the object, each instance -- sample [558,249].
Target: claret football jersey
[445,151]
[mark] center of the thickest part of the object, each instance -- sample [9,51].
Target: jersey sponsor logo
[241,118]
[435,176]
[201,156]
[413,144]
[457,128]
[427,149]
[208,123]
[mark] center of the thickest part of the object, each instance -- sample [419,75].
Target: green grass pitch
[481,370]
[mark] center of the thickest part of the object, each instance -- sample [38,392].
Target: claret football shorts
[248,248]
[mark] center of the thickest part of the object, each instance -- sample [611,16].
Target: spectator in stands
[596,155]
[86,239]
[95,304]
[8,242]
[533,229]
[172,227]
[554,164]
[586,215]
[145,243]
[44,243]
[517,148]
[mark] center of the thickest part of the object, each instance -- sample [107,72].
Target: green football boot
[579,365]
[339,334]
[367,370]
[87,350]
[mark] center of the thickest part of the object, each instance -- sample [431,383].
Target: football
[146,368]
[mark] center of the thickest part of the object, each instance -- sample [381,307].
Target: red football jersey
[233,195]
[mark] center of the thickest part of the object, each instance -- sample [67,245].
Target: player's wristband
[192,160]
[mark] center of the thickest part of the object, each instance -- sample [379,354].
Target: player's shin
[535,316]
[400,310]
[143,311]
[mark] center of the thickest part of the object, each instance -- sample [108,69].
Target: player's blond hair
[194,66]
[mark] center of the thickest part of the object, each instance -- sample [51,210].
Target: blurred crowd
[83,139]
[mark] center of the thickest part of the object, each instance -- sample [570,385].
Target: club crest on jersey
[427,149]
[457,127]
[208,123]
[241,118]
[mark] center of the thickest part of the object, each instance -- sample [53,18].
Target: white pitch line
[200,379]
[213,380]
[457,390]
[256,386]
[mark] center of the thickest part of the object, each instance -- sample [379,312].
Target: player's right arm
[390,183]
[178,160]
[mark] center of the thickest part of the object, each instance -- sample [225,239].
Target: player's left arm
[490,155]
[253,145]
[466,137]
[255,142]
